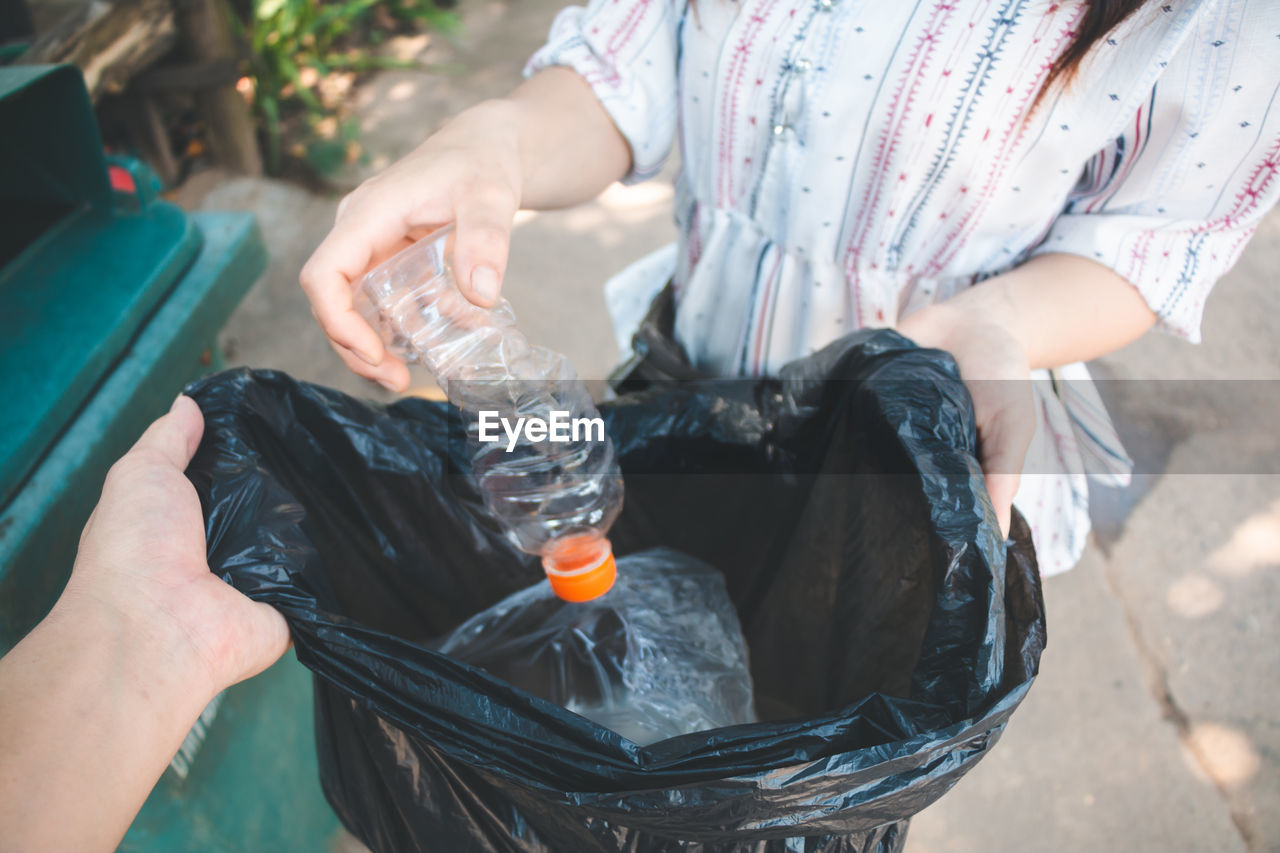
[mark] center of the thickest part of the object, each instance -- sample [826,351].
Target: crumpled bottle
[661,655]
[556,489]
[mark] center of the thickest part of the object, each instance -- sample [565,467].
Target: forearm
[568,148]
[92,708]
[1061,308]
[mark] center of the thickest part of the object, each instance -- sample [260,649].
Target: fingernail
[174,404]
[484,282]
[386,384]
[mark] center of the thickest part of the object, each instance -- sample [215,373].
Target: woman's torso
[846,162]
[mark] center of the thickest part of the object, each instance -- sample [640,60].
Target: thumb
[1003,444]
[249,637]
[267,638]
[482,239]
[1002,488]
[176,435]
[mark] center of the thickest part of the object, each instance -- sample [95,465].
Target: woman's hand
[548,144]
[995,368]
[1052,310]
[469,173]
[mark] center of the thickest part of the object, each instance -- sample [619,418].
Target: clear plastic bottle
[660,656]
[555,498]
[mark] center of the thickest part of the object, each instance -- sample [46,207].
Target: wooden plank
[188,78]
[205,36]
[148,134]
[109,40]
[113,41]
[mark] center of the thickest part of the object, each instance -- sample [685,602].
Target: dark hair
[1100,18]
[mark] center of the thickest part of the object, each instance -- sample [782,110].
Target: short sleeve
[1171,203]
[626,51]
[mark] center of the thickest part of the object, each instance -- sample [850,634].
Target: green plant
[296,46]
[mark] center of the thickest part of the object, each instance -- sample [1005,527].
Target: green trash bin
[110,301]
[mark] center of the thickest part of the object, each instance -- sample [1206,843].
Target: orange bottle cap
[581,569]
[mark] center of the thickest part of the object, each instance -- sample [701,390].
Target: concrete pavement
[1154,724]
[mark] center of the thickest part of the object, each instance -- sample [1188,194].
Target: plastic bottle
[660,656]
[554,498]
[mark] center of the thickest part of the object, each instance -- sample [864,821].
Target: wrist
[983,346]
[497,123]
[985,311]
[145,645]
[933,326]
[94,706]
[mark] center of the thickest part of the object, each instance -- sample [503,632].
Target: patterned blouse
[846,162]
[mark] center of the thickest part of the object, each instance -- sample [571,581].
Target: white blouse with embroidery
[846,162]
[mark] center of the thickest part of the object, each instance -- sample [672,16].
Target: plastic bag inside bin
[892,630]
[661,654]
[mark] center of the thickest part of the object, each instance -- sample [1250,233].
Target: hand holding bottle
[548,144]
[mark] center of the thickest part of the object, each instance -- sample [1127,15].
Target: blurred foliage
[304,57]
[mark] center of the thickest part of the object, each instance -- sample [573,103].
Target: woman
[1027,185]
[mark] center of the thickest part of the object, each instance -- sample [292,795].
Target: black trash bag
[891,634]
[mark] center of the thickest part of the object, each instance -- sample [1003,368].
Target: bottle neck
[580,567]
[575,553]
